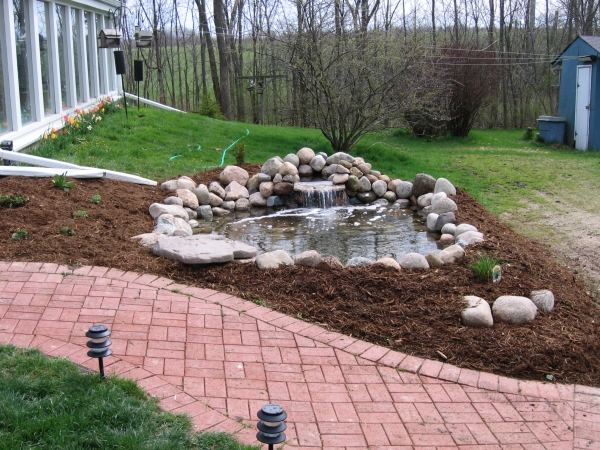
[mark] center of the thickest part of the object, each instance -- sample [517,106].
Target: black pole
[101,365]
[138,84]
[124,97]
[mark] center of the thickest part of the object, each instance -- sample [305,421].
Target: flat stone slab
[202,249]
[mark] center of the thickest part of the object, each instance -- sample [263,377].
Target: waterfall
[320,194]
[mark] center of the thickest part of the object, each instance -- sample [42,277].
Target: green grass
[50,403]
[501,169]
[482,265]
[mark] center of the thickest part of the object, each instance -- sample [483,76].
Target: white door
[582,107]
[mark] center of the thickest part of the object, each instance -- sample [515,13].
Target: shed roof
[592,41]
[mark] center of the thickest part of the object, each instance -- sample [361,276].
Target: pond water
[345,232]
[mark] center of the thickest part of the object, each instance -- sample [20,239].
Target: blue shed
[579,97]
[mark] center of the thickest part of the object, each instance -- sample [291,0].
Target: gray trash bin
[552,129]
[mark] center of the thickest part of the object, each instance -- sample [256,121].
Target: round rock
[364,185]
[242,204]
[449,228]
[235,191]
[423,184]
[463,228]
[188,198]
[477,313]
[388,264]
[257,199]
[202,194]
[468,238]
[424,200]
[366,197]
[379,187]
[359,261]
[434,260]
[437,196]
[513,309]
[444,219]
[444,205]
[443,185]
[173,201]
[217,189]
[291,158]
[543,299]
[309,258]
[404,189]
[431,221]
[283,188]
[317,163]
[305,155]
[274,260]
[234,173]
[414,261]
[271,166]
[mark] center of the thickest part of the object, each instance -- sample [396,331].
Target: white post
[53,57]
[69,57]
[93,54]
[83,65]
[9,51]
[35,65]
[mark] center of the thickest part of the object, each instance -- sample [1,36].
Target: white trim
[93,54]
[69,57]
[53,58]
[34,64]
[83,65]
[151,103]
[11,74]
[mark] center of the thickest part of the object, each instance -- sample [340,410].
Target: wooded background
[357,64]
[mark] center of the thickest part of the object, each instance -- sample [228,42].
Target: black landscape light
[8,146]
[99,344]
[271,425]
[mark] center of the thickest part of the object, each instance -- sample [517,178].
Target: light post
[98,344]
[271,425]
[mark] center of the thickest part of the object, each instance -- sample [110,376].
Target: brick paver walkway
[220,359]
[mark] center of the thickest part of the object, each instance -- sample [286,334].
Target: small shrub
[209,107]
[239,151]
[13,200]
[482,265]
[81,213]
[96,199]
[60,182]
[19,235]
[528,135]
[67,231]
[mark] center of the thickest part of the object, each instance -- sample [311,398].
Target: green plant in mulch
[60,182]
[96,199]
[19,235]
[483,266]
[80,213]
[67,231]
[13,200]
[239,151]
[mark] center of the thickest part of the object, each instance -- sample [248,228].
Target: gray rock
[514,309]
[292,159]
[229,205]
[365,168]
[277,178]
[266,189]
[449,228]
[188,198]
[253,182]
[444,219]
[443,185]
[330,169]
[192,214]
[425,200]
[305,171]
[257,199]
[366,197]
[234,173]
[309,258]
[329,263]
[220,212]
[205,212]
[352,183]
[202,249]
[274,260]
[388,264]
[202,194]
[275,200]
[477,313]
[402,203]
[337,157]
[431,221]
[305,155]
[468,238]
[288,168]
[434,260]
[193,223]
[444,205]
[390,196]
[364,185]
[404,189]
[413,261]
[317,163]
[263,177]
[463,228]
[379,187]
[426,211]
[323,154]
[291,178]
[345,164]
[447,239]
[173,201]
[215,200]
[422,184]
[282,188]
[393,184]
[182,227]
[158,209]
[147,239]
[217,189]
[359,261]
[271,166]
[357,173]
[372,178]
[341,169]
[235,191]
[451,254]
[340,178]
[242,204]
[437,196]
[543,299]
[165,224]
[180,183]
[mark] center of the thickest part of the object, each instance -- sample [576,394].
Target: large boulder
[172,200]
[283,188]
[274,260]
[202,194]
[317,163]
[434,260]
[543,299]
[477,313]
[514,309]
[242,204]
[444,205]
[404,190]
[180,183]
[443,185]
[147,240]
[293,159]
[423,184]
[451,254]
[234,173]
[329,263]
[216,188]
[413,261]
[271,166]
[257,199]
[309,258]
[364,185]
[188,198]
[202,249]
[158,209]
[215,200]
[468,238]
[339,156]
[463,228]
[305,155]
[235,191]
[287,168]
[379,187]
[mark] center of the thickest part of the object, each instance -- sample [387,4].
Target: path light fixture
[98,344]
[271,425]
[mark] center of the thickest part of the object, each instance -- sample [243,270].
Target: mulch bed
[416,312]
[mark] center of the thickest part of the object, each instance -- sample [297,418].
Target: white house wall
[95,84]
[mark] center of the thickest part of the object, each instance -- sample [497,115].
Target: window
[42,9]
[23,66]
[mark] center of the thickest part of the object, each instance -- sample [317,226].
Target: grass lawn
[52,403]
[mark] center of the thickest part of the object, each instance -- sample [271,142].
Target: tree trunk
[224,56]
[211,52]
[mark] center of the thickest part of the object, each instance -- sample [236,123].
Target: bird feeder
[109,38]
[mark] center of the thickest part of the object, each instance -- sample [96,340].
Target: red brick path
[219,359]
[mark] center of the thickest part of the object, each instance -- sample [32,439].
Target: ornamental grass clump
[484,266]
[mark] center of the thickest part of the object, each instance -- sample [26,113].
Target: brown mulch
[415,312]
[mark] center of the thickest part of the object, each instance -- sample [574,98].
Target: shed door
[582,107]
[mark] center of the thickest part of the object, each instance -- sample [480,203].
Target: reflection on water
[345,232]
